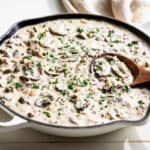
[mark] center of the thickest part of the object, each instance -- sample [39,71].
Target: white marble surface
[134,138]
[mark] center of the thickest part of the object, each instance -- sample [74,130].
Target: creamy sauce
[46,75]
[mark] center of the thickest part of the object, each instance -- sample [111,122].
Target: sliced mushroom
[58,30]
[21,100]
[34,29]
[81,105]
[34,52]
[91,34]
[3,61]
[81,36]
[16,68]
[43,45]
[8,89]
[106,89]
[4,53]
[74,98]
[40,69]
[73,59]
[73,120]
[119,69]
[26,79]
[35,44]
[7,71]
[30,71]
[34,78]
[27,43]
[102,67]
[31,33]
[3,99]
[54,74]
[30,115]
[9,44]
[117,72]
[84,59]
[111,115]
[44,102]
[60,87]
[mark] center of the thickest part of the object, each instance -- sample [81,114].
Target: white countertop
[132,138]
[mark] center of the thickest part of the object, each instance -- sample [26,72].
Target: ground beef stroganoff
[47,73]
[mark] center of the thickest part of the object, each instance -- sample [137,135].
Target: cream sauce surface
[46,75]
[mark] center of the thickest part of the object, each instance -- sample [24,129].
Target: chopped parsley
[61,39]
[80,30]
[41,35]
[133,43]
[64,92]
[140,102]
[35,86]
[84,83]
[71,85]
[15,53]
[97,29]
[112,42]
[126,89]
[47,114]
[73,50]
[116,41]
[110,34]
[64,70]
[18,85]
[28,57]
[113,86]
[9,81]
[97,39]
[103,98]
[29,69]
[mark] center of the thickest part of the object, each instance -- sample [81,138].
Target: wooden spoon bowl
[140,74]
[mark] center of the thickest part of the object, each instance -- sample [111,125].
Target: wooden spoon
[141,75]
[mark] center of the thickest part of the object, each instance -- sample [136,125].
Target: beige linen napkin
[131,11]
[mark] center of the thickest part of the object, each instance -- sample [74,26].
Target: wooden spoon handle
[143,77]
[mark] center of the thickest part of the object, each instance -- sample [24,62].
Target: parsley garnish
[70,85]
[9,81]
[41,35]
[141,102]
[97,29]
[84,83]
[113,86]
[35,86]
[18,85]
[64,92]
[29,69]
[28,57]
[132,43]
[110,34]
[126,89]
[103,98]
[80,30]
[47,114]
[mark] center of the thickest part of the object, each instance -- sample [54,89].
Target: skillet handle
[13,124]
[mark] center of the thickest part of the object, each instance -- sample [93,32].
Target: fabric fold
[131,11]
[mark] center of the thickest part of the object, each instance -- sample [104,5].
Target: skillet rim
[18,25]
